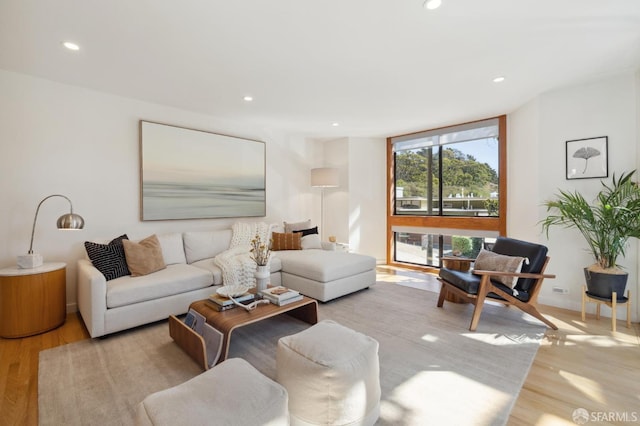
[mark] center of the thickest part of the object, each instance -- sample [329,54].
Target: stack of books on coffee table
[221,303]
[280,295]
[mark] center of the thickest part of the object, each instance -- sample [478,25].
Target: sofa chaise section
[324,274]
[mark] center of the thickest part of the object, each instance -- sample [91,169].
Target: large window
[448,172]
[446,187]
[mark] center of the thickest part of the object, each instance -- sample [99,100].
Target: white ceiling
[378,67]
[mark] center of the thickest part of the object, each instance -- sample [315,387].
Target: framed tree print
[587,158]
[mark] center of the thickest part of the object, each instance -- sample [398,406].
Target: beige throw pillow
[490,261]
[286,241]
[144,257]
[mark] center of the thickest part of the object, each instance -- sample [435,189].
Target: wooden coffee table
[227,321]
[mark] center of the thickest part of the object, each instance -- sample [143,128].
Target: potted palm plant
[607,225]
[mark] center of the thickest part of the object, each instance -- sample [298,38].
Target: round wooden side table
[32,301]
[457,264]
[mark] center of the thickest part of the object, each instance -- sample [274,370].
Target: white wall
[367,196]
[356,211]
[57,138]
[523,193]
[335,153]
[537,135]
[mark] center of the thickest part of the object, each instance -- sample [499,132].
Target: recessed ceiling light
[248,98]
[498,79]
[335,124]
[432,4]
[70,45]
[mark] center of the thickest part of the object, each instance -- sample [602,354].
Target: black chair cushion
[536,253]
[469,283]
[522,295]
[463,280]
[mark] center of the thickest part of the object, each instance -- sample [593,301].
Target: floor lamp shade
[325,177]
[66,221]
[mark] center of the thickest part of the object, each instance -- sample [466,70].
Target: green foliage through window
[463,177]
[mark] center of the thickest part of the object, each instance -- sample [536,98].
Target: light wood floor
[19,370]
[582,365]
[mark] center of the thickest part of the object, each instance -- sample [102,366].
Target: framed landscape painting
[587,158]
[193,174]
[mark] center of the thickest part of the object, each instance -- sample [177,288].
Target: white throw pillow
[311,241]
[200,245]
[172,248]
[277,227]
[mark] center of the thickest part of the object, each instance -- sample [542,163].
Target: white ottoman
[231,393]
[332,375]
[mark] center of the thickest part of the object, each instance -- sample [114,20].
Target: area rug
[432,369]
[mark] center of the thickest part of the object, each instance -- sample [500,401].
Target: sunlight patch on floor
[429,338]
[407,403]
[589,387]
[595,341]
[550,419]
[503,339]
[572,326]
[397,278]
[419,280]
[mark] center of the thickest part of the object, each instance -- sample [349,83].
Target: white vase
[262,277]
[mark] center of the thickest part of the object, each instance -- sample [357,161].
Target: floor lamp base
[29,261]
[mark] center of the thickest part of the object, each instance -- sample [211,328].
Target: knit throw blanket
[236,264]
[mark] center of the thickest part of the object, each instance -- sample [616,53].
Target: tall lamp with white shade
[66,221]
[324,177]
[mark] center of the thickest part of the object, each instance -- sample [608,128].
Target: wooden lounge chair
[476,285]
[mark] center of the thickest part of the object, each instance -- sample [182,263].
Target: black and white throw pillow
[109,258]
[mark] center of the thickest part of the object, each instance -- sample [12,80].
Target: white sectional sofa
[125,302]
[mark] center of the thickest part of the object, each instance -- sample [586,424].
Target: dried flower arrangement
[260,251]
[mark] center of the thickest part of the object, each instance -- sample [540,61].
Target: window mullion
[440,183]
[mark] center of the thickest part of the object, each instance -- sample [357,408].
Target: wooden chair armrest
[511,274]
